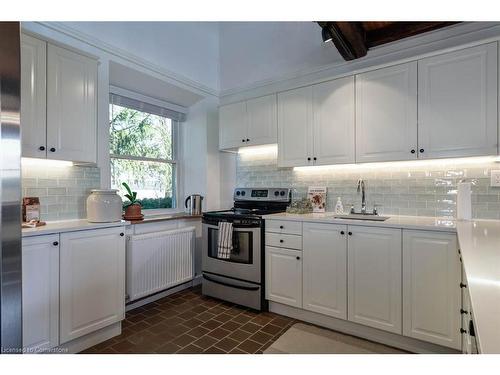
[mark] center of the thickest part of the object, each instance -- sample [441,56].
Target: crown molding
[438,41]
[197,87]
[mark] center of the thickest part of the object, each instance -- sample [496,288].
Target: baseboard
[160,295]
[354,329]
[91,339]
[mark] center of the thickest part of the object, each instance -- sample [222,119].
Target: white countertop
[405,222]
[480,247]
[68,226]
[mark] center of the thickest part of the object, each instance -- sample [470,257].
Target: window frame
[174,161]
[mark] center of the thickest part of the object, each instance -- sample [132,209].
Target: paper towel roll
[464,204]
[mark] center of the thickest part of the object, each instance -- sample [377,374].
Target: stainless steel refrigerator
[10,189]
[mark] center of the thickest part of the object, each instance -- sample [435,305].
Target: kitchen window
[143,150]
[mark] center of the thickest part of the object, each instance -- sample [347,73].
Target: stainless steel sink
[371,217]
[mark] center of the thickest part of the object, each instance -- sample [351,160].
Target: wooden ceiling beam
[399,30]
[348,37]
[354,39]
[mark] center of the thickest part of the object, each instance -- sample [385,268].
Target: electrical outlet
[495,178]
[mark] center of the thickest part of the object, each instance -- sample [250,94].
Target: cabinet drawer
[290,241]
[284,226]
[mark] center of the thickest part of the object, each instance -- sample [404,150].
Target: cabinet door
[386,114]
[374,281]
[71,105]
[33,97]
[232,125]
[92,281]
[262,120]
[333,114]
[284,276]
[457,107]
[325,269]
[431,293]
[40,257]
[295,127]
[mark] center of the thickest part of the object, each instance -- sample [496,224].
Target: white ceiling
[252,52]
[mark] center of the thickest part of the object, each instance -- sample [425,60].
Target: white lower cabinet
[325,269]
[374,281]
[92,278]
[284,276]
[40,259]
[431,292]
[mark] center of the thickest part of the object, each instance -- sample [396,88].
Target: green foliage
[140,134]
[131,196]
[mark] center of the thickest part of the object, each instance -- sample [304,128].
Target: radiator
[160,260]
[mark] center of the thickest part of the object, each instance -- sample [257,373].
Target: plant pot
[133,212]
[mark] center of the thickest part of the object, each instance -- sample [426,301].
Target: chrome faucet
[361,186]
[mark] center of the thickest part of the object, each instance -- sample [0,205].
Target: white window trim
[178,188]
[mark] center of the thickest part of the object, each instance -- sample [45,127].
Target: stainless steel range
[238,275]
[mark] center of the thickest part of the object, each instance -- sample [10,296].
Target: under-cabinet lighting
[402,164]
[33,162]
[259,150]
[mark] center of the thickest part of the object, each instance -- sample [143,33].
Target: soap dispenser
[339,207]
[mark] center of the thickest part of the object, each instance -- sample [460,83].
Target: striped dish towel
[225,243]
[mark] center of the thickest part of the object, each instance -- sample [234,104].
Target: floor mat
[307,339]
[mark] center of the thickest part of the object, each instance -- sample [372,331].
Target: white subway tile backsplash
[63,191]
[422,190]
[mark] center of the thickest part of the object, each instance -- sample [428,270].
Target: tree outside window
[142,154]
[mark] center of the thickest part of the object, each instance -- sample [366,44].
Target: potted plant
[132,207]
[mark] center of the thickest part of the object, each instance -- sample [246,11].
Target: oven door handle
[231,285]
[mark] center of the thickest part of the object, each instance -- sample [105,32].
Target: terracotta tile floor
[187,322]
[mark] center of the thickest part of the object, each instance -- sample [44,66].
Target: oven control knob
[282,193]
[243,193]
[238,193]
[276,193]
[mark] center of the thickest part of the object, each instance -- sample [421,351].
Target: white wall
[189,49]
[251,52]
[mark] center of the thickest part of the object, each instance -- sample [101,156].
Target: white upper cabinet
[248,123]
[33,97]
[333,122]
[458,101]
[374,277]
[71,105]
[324,269]
[431,293]
[40,258]
[92,279]
[262,120]
[295,119]
[232,125]
[386,114]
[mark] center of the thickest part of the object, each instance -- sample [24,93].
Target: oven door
[245,260]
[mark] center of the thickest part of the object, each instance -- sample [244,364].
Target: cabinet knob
[298,258]
[462,285]
[462,311]
[52,149]
[281,241]
[242,140]
[281,226]
[122,234]
[308,159]
[421,150]
[55,243]
[314,158]
[412,151]
[342,232]
[463,330]
[41,148]
[350,233]
[248,140]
